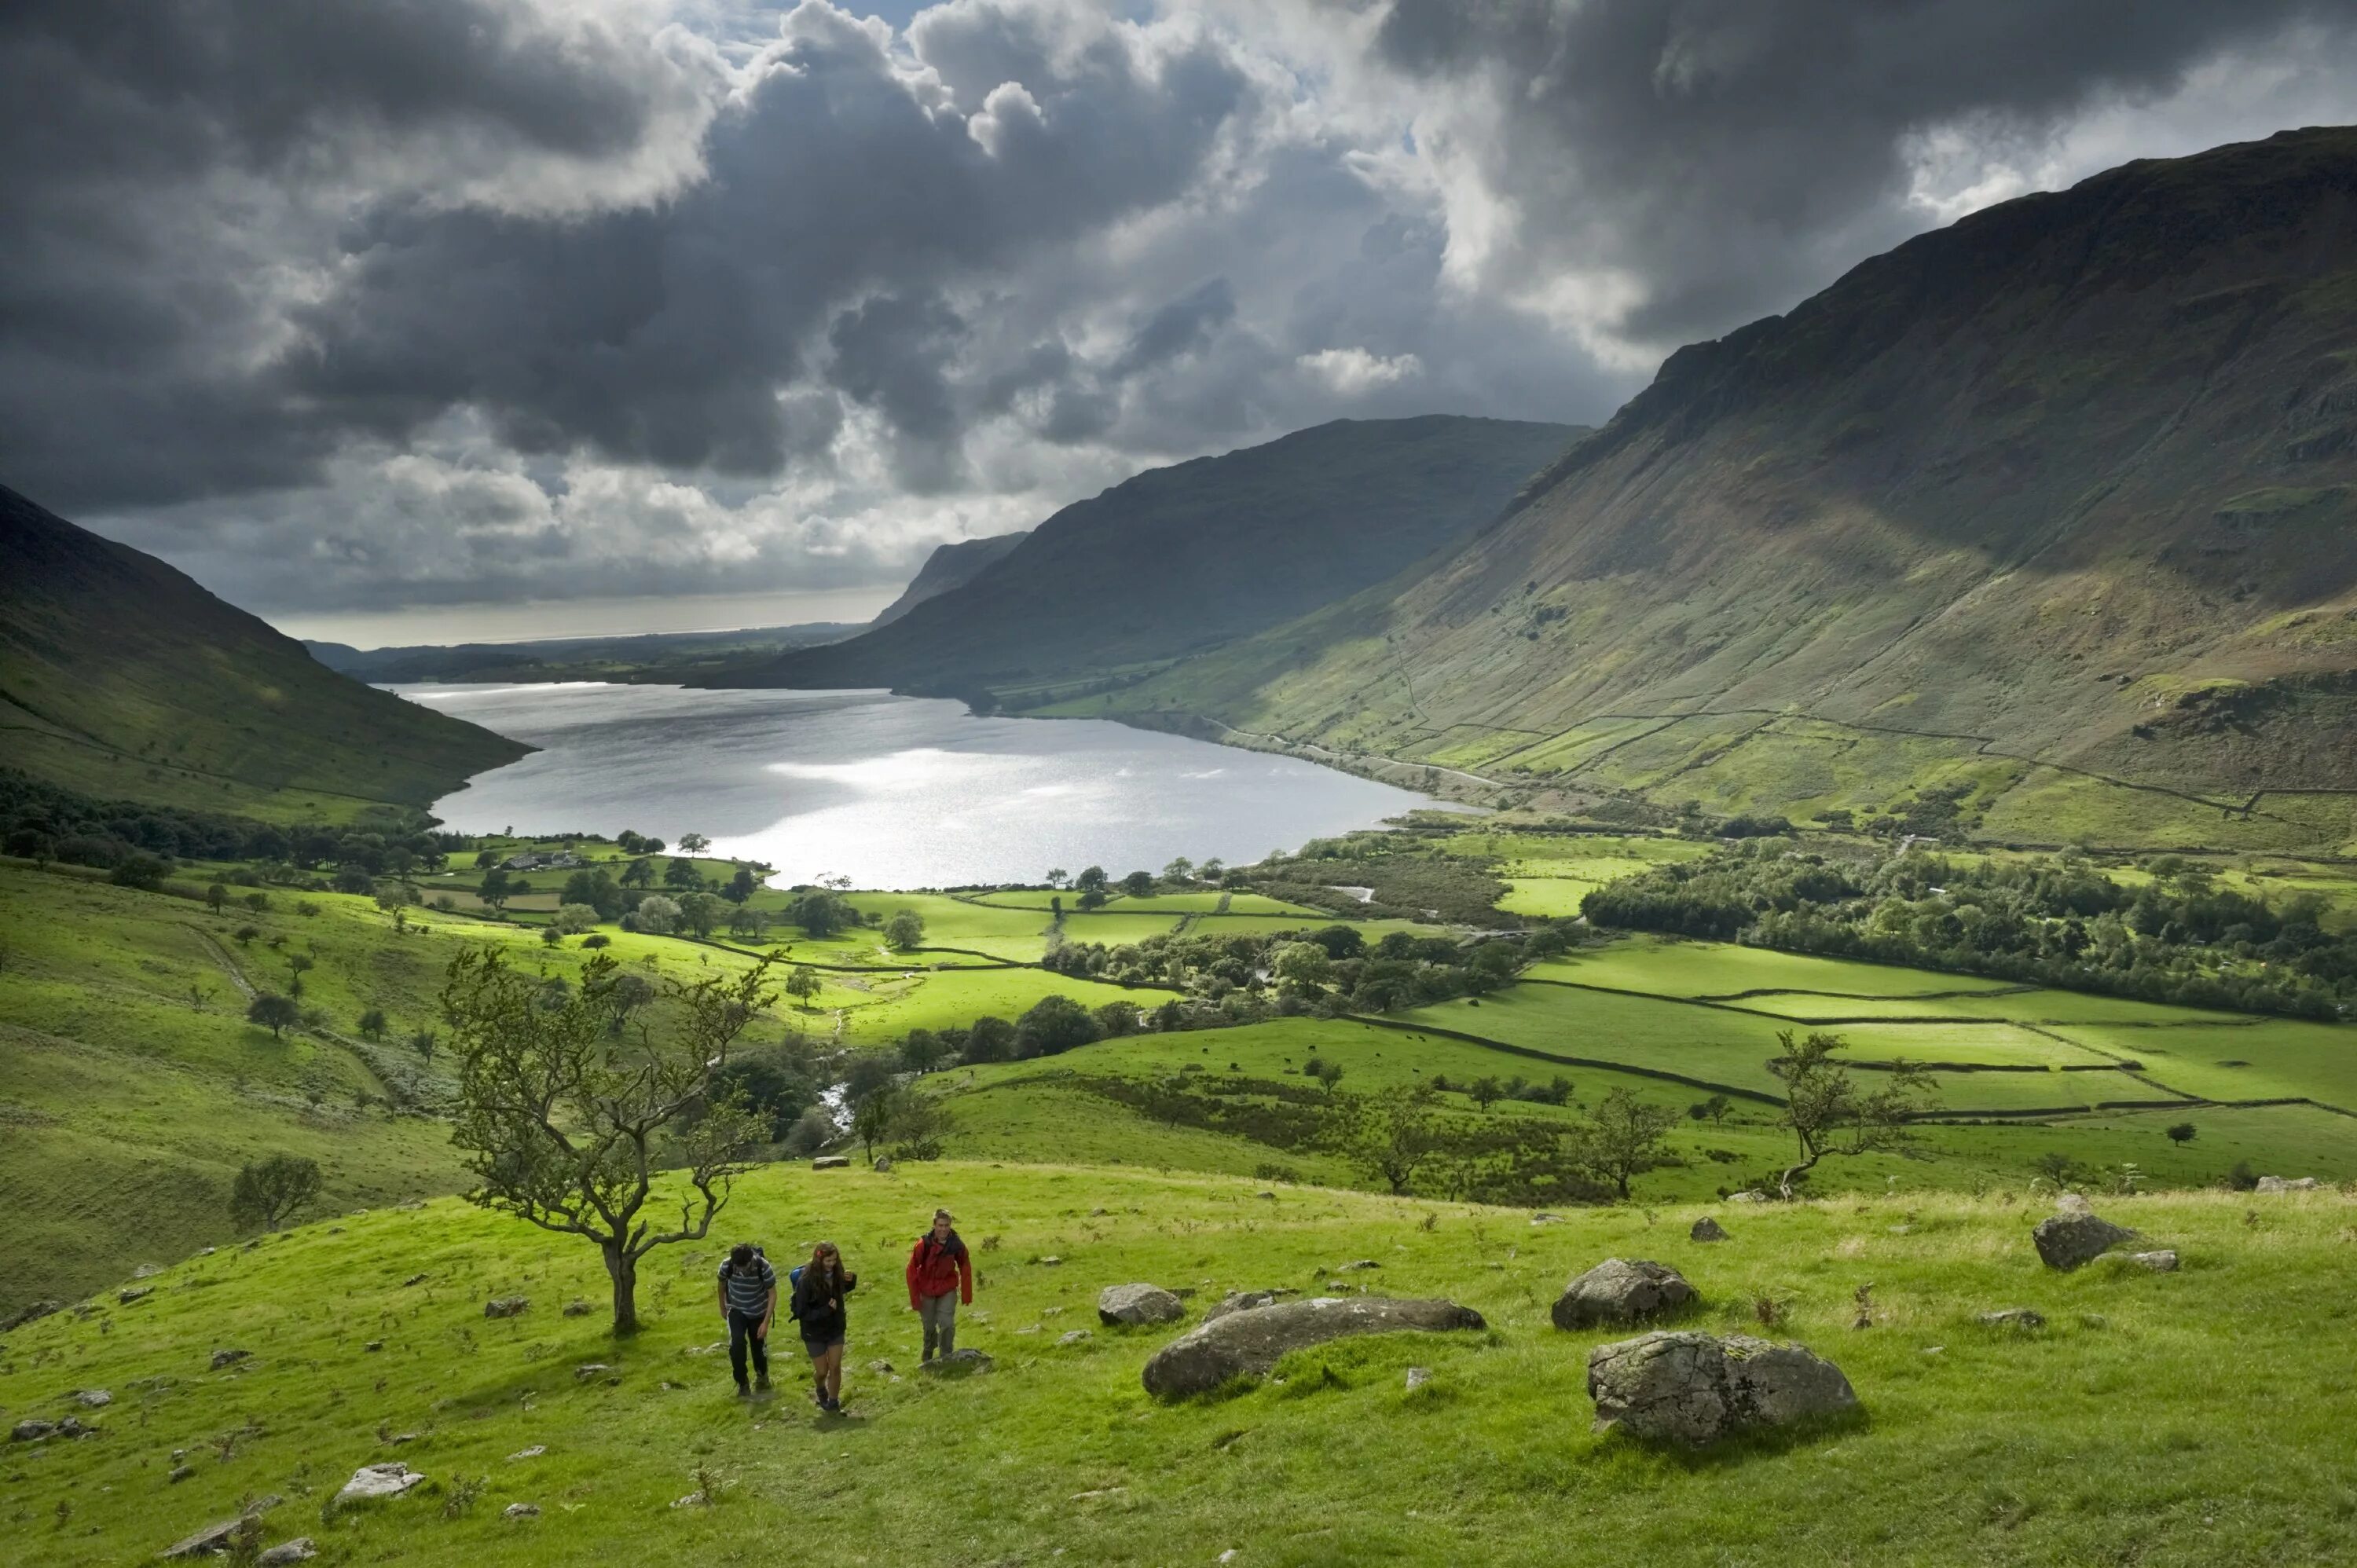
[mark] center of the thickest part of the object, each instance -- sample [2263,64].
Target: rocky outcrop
[372,1481]
[1618,1291]
[2287,1184]
[1249,1342]
[1695,1388]
[2068,1241]
[1138,1304]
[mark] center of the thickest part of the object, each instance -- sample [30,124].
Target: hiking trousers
[939,1314]
[742,1340]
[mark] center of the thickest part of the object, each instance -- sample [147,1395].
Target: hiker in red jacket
[940,1276]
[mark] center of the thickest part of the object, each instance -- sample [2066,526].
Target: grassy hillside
[1184,557]
[121,677]
[948,566]
[2047,515]
[659,658]
[2122,1432]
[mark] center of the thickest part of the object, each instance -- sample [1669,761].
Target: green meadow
[2124,1431]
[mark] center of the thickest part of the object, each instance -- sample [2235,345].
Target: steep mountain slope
[2073,480]
[121,676]
[949,567]
[1189,556]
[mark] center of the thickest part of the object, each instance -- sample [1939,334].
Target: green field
[1057,1454]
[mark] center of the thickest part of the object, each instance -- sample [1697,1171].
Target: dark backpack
[793,1289]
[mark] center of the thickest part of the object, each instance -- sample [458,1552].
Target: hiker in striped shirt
[748,1299]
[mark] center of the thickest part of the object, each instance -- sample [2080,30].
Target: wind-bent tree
[267,1195]
[1827,1113]
[559,1123]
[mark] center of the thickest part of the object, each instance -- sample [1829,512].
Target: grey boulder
[2161,1263]
[2019,1318]
[1250,1343]
[299,1550]
[216,1537]
[960,1363]
[1621,1291]
[1708,1229]
[370,1481]
[2068,1241]
[830,1163]
[2287,1184]
[1242,1301]
[1695,1388]
[229,1357]
[1138,1304]
[506,1305]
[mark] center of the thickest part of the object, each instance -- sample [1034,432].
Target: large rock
[1250,1343]
[2287,1184]
[830,1163]
[1621,1291]
[370,1481]
[31,1430]
[506,1305]
[1708,1229]
[216,1537]
[1674,1387]
[1138,1304]
[299,1550]
[2069,1241]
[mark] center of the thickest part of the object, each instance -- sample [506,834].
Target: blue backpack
[793,1292]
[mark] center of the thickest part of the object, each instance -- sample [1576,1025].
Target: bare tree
[559,1125]
[1828,1114]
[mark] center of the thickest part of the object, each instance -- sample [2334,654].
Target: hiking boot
[743,1393]
[761,1385]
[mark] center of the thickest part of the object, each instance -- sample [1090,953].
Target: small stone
[31,1431]
[830,1163]
[181,1472]
[378,1481]
[535,1452]
[962,1363]
[1270,1196]
[299,1550]
[1362,1263]
[1544,1219]
[229,1357]
[130,1293]
[880,1366]
[1417,1377]
[577,1307]
[506,1305]
[1134,1306]
[1706,1229]
[1052,1262]
[1228,1556]
[2021,1318]
[2161,1263]
[1074,1336]
[590,1369]
[883,1164]
[93,1399]
[1100,1492]
[146,1271]
[1096,1213]
[373,1345]
[413,1280]
[1753,1195]
[521,1510]
[1621,1291]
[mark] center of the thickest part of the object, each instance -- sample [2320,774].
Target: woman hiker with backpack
[819,1286]
[940,1276]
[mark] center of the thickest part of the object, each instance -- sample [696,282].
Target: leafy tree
[742,885]
[274,1012]
[1057,878]
[905,931]
[1211,870]
[813,1130]
[1304,964]
[298,965]
[1828,1114]
[1181,869]
[244,935]
[1713,1110]
[771,1085]
[572,919]
[1392,1135]
[1328,1075]
[920,1126]
[497,888]
[1093,899]
[215,896]
[552,936]
[597,890]
[372,1023]
[639,874]
[1623,1138]
[1138,885]
[699,912]
[748,924]
[694,844]
[1115,1019]
[564,1130]
[989,1039]
[139,870]
[1091,880]
[821,914]
[803,985]
[873,1116]
[683,874]
[422,1042]
[2183,1133]
[1053,1025]
[1486,1092]
[922,1051]
[268,1194]
[657,913]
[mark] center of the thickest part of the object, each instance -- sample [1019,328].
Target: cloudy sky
[415,319]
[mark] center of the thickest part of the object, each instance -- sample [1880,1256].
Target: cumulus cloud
[439,301]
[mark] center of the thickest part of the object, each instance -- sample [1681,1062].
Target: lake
[892,792]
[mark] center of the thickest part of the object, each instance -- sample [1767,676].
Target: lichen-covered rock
[1250,1343]
[372,1481]
[1138,1304]
[1708,1229]
[1677,1387]
[1621,1291]
[299,1550]
[2068,1241]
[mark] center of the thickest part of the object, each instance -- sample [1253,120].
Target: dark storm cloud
[1733,154]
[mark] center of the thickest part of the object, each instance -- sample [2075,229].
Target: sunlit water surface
[888,791]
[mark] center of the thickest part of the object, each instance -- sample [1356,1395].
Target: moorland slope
[121,677]
[1187,557]
[948,566]
[2073,481]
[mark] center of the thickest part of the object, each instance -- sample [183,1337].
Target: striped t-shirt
[749,1289]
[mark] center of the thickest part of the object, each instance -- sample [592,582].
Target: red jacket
[937,1268]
